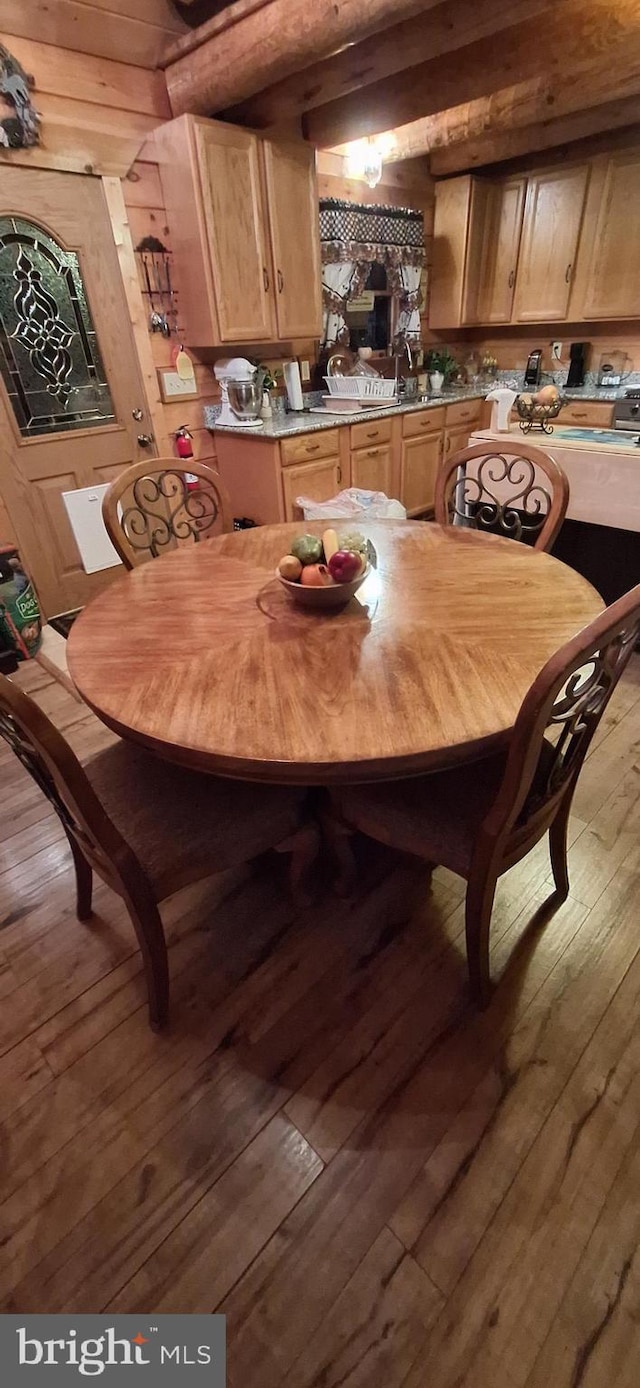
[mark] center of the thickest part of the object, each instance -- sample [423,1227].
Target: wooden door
[613,283]
[419,468]
[500,246]
[552,221]
[320,480]
[236,222]
[372,469]
[292,197]
[70,380]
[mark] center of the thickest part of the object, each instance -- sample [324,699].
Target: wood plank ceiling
[468,82]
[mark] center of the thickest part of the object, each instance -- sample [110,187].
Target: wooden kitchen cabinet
[552,222]
[421,458]
[372,469]
[589,414]
[320,480]
[612,288]
[498,259]
[244,232]
[292,197]
[457,242]
[456,438]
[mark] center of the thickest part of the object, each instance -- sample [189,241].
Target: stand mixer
[241,393]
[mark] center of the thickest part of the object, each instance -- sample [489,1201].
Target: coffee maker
[577,364]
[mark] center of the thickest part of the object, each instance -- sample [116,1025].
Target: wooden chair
[148,828]
[501,490]
[149,508]
[482,818]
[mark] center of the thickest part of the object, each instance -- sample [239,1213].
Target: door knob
[138,414]
[145,440]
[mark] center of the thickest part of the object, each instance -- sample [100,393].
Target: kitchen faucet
[400,346]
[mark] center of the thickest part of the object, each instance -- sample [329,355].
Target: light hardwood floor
[376,1184]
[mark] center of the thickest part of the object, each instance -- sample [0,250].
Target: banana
[330,544]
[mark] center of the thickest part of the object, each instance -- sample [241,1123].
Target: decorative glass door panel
[72,402]
[49,354]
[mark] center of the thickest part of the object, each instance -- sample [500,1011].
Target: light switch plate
[172,386]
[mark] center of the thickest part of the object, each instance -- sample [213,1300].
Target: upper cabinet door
[236,225]
[500,247]
[292,196]
[552,220]
[613,282]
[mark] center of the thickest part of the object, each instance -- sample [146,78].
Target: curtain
[407,291]
[354,236]
[338,278]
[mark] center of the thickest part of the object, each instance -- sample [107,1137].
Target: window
[49,355]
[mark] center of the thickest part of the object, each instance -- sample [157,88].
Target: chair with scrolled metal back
[148,828]
[151,508]
[480,819]
[518,491]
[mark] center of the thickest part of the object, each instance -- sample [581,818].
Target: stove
[626,414]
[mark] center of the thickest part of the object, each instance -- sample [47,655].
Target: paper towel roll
[293,385]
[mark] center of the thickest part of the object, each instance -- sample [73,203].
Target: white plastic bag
[350,503]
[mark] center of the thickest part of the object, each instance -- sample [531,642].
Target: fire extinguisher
[184,449]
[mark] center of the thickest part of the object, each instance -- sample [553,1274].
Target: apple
[316,576]
[344,565]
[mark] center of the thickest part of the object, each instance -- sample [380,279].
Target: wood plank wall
[136,32]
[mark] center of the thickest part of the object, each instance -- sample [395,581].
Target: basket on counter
[361,387]
[534,416]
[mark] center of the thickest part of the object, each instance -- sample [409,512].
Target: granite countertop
[281,426]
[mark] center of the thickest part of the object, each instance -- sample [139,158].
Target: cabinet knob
[569,268]
[265,278]
[312,447]
[280,281]
[512,278]
[145,440]
[339,473]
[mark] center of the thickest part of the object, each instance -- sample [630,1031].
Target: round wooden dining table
[203,658]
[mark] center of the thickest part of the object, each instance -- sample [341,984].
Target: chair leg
[84,881]
[558,849]
[481,890]
[147,923]
[304,846]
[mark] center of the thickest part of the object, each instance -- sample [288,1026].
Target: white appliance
[234,369]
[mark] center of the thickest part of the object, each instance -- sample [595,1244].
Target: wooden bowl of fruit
[325,573]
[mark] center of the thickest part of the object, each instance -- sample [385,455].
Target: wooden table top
[202,657]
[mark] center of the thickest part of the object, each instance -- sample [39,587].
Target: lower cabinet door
[320,481]
[455,439]
[371,469]
[420,463]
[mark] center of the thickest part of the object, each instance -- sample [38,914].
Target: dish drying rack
[361,387]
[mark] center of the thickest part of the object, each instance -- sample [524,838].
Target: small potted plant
[269,383]
[440,365]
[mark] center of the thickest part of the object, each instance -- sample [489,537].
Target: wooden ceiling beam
[579,38]
[449,26]
[498,146]
[268,44]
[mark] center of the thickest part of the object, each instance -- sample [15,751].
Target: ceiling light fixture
[364,160]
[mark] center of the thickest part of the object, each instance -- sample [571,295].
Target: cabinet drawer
[465,411]
[590,414]
[375,431]
[422,422]
[305,447]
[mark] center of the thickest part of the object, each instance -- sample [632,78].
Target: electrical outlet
[556,351]
[305,372]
